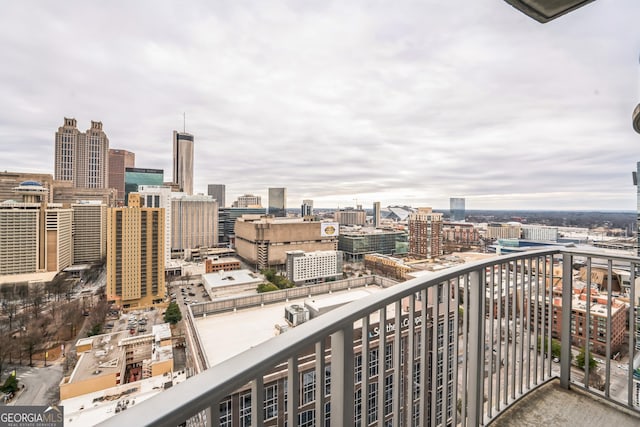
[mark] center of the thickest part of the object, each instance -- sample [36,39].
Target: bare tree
[36,298]
[6,346]
[32,341]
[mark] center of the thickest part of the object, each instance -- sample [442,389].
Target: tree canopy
[172,314]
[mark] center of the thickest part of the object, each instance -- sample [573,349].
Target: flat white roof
[230,278]
[227,334]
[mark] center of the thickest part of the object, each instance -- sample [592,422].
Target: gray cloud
[406,103]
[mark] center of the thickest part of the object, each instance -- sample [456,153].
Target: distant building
[65,193]
[264,241]
[227,221]
[305,268]
[183,161]
[540,233]
[351,216]
[89,232]
[34,236]
[11,180]
[306,210]
[464,234]
[119,160]
[510,230]
[247,201]
[194,223]
[278,201]
[457,209]
[135,177]
[425,234]
[217,191]
[376,214]
[396,213]
[386,266]
[355,244]
[135,255]
[81,158]
[221,264]
[158,196]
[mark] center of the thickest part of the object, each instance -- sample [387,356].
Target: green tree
[580,362]
[267,287]
[555,346]
[172,314]
[96,329]
[10,385]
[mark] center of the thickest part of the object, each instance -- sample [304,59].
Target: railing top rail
[217,382]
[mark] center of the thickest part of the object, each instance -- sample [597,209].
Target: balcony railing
[457,348]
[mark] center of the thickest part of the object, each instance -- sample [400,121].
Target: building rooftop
[227,334]
[222,279]
[104,357]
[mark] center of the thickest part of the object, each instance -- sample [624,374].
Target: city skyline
[341,102]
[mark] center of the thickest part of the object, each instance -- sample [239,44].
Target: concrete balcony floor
[552,405]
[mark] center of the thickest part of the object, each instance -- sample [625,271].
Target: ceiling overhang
[546,10]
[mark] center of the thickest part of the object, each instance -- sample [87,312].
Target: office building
[34,236]
[305,268]
[425,234]
[212,265]
[119,160]
[217,191]
[194,223]
[355,244]
[158,196]
[306,210]
[135,255]
[460,234]
[135,177]
[65,193]
[351,216]
[376,214]
[183,161]
[509,230]
[10,180]
[456,209]
[278,201]
[82,158]
[540,233]
[89,232]
[248,201]
[386,266]
[227,221]
[264,241]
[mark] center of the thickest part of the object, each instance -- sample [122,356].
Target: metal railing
[457,348]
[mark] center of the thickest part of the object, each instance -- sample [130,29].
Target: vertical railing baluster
[465,347]
[342,392]
[520,325]
[409,360]
[320,367]
[500,338]
[257,402]
[632,332]
[397,368]
[445,353]
[364,373]
[536,318]
[567,285]
[507,328]
[514,330]
[587,342]
[476,347]
[382,342]
[527,322]
[293,390]
[456,325]
[424,352]
[434,353]
[607,381]
[550,314]
[491,354]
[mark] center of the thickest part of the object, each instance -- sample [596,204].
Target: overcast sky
[404,102]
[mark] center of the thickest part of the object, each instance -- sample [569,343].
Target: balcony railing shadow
[458,348]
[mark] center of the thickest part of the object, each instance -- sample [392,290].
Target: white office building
[158,196]
[312,267]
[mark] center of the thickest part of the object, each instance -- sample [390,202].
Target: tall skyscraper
[217,191]
[89,232]
[278,201]
[376,214]
[194,223]
[183,161]
[135,255]
[306,208]
[456,207]
[119,160]
[425,234]
[82,158]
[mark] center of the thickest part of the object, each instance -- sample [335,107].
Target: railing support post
[342,377]
[567,289]
[475,364]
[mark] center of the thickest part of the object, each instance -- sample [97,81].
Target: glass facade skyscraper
[134,177]
[278,201]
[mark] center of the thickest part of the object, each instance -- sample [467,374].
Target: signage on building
[329,229]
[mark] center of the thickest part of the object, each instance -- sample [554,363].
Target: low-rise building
[217,264]
[312,267]
[356,243]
